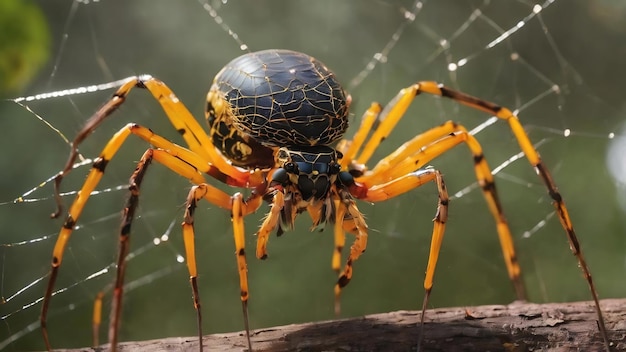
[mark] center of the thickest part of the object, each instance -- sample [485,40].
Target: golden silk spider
[277,120]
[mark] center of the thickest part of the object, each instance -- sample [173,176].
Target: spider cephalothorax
[309,178]
[308,172]
[273,116]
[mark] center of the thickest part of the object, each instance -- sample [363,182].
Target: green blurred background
[575,44]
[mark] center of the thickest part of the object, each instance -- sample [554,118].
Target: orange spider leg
[202,190]
[385,125]
[239,208]
[386,121]
[340,241]
[406,183]
[97,319]
[270,222]
[340,235]
[417,152]
[315,211]
[191,131]
[535,161]
[180,160]
[425,152]
[402,185]
[164,157]
[350,148]
[356,224]
[388,168]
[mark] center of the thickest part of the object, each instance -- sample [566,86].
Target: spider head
[311,170]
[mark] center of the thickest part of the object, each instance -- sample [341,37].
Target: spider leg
[124,245]
[239,208]
[191,131]
[535,161]
[419,151]
[321,211]
[404,184]
[198,192]
[346,209]
[177,158]
[350,148]
[97,319]
[395,109]
[340,237]
[271,220]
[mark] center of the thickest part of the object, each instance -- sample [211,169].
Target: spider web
[554,62]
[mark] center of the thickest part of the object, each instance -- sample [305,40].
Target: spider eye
[346,179]
[339,155]
[291,168]
[280,176]
[334,169]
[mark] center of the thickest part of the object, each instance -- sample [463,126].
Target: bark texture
[516,327]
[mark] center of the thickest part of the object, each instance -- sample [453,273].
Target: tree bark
[515,327]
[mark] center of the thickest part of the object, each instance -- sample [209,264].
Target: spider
[276,121]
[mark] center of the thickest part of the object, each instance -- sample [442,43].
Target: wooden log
[516,327]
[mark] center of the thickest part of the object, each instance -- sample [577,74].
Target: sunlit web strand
[45,122]
[22,101]
[139,251]
[504,35]
[381,56]
[114,215]
[543,222]
[71,92]
[71,193]
[36,325]
[570,133]
[444,43]
[220,21]
[23,199]
[463,192]
[66,26]
[492,120]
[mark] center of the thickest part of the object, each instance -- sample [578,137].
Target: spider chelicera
[273,119]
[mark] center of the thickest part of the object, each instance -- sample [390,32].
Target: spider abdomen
[279,98]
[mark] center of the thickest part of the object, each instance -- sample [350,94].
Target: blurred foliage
[24,44]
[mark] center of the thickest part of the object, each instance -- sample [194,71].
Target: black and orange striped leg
[164,158]
[423,148]
[75,210]
[128,215]
[270,222]
[407,183]
[404,184]
[180,117]
[237,215]
[239,209]
[180,160]
[124,245]
[348,218]
[391,114]
[350,148]
[339,237]
[536,162]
